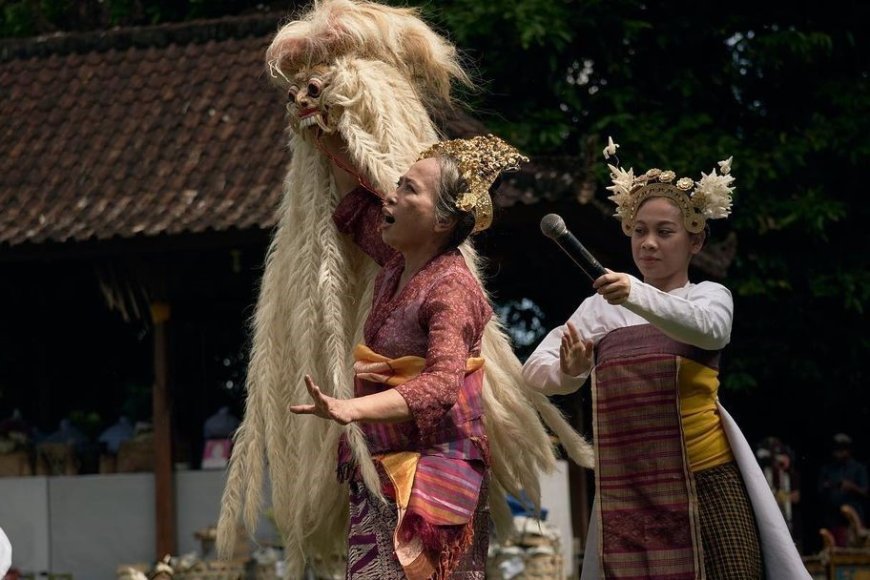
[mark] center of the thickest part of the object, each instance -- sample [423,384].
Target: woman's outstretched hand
[575,354]
[613,286]
[339,410]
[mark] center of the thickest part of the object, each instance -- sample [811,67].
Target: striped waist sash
[438,480]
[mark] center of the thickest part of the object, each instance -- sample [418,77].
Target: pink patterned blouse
[439,315]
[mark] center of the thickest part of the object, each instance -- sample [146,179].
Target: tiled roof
[160,130]
[153,131]
[173,129]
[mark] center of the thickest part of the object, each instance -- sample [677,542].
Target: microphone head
[553,226]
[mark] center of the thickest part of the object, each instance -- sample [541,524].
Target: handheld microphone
[553,226]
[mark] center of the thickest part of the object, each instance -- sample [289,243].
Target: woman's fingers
[570,351]
[611,291]
[613,287]
[573,334]
[325,407]
[314,393]
[604,279]
[575,353]
[314,390]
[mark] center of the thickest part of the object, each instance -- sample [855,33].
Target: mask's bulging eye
[314,88]
[291,94]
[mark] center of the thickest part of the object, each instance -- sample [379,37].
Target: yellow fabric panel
[401,468]
[706,442]
[394,372]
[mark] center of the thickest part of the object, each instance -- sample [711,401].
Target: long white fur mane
[314,298]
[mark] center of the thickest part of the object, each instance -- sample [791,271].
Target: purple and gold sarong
[647,503]
[436,484]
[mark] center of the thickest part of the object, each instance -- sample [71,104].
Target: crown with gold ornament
[481,160]
[707,198]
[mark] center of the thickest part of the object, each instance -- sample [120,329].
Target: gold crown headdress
[707,198]
[481,160]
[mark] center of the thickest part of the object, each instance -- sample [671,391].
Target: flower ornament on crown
[707,198]
[481,160]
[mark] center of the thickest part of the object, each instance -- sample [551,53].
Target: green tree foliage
[679,85]
[682,85]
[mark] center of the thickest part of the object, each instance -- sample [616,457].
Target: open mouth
[388,217]
[310,117]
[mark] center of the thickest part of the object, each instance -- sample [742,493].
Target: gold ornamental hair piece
[481,160]
[708,198]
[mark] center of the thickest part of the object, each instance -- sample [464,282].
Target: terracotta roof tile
[151,131]
[138,132]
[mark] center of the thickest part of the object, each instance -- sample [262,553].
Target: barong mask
[310,54]
[481,160]
[707,198]
[308,101]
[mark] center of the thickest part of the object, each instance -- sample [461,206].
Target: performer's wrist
[352,411]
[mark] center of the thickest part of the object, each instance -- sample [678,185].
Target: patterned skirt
[728,530]
[370,552]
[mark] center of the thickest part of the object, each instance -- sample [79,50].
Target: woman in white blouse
[678,492]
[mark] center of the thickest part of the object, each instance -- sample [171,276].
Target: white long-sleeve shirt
[696,314]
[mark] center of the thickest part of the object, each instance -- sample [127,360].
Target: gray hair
[450,186]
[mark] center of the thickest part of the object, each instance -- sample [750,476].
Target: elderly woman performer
[418,378]
[678,491]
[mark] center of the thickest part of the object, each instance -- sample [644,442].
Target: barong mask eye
[707,198]
[481,160]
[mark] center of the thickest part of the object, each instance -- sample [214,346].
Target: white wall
[556,499]
[97,522]
[89,524]
[24,519]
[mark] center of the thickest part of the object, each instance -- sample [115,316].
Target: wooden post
[164,493]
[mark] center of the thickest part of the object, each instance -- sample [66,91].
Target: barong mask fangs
[707,198]
[481,160]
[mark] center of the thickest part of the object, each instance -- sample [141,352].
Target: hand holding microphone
[553,226]
[614,287]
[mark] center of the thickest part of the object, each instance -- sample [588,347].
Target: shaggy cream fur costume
[373,72]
